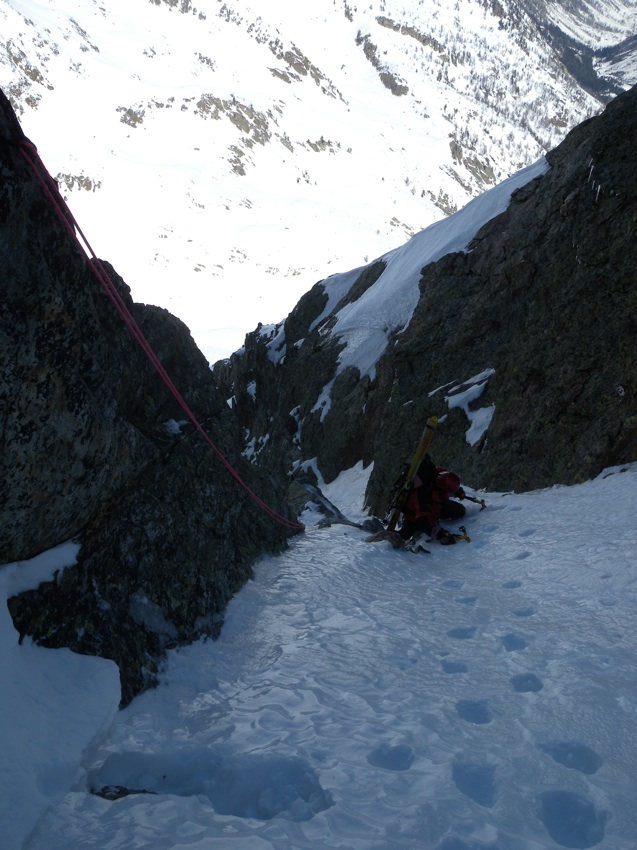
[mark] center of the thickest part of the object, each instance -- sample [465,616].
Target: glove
[460,493]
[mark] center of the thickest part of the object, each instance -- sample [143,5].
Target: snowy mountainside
[595,39]
[619,62]
[224,160]
[595,23]
[364,325]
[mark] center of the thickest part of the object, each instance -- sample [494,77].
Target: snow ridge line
[31,155]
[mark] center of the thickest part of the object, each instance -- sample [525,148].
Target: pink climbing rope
[30,153]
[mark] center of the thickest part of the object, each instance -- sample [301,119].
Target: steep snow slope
[476,698]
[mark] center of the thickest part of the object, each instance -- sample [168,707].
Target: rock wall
[546,298]
[92,450]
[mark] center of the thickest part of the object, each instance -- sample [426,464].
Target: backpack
[399,494]
[427,471]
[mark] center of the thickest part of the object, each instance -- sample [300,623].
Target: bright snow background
[479,697]
[115,96]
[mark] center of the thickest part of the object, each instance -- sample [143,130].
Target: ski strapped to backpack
[401,496]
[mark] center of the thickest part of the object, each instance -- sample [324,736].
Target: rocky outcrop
[95,448]
[544,303]
[547,297]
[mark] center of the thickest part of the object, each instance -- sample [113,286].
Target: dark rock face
[167,535]
[546,297]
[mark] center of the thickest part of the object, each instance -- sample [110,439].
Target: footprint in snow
[474,711]
[521,556]
[525,683]
[476,781]
[462,632]
[453,582]
[511,585]
[574,755]
[467,600]
[524,611]
[406,663]
[527,532]
[512,642]
[454,667]
[571,819]
[397,757]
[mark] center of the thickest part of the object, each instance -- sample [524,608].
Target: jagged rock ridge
[541,308]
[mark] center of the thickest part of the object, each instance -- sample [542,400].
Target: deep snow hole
[247,785]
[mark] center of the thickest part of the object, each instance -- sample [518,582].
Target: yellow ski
[421,451]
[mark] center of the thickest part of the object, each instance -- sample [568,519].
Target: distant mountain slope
[224,159]
[619,62]
[593,23]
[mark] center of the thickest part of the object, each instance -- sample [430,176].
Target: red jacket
[424,502]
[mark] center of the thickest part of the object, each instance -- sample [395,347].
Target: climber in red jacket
[430,501]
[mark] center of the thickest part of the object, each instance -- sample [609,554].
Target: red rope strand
[30,153]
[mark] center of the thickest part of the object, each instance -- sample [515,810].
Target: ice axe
[480,502]
[463,534]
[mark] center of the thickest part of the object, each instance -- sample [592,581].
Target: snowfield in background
[225,158]
[479,697]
